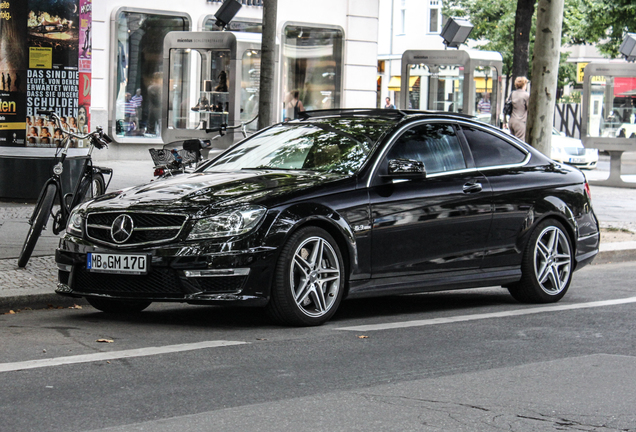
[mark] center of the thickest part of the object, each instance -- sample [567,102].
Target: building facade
[404,25]
[327,51]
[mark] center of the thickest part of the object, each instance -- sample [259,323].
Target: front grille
[160,282]
[149,228]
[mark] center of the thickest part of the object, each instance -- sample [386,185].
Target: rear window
[489,150]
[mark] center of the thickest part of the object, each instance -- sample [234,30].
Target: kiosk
[452,80]
[609,114]
[212,80]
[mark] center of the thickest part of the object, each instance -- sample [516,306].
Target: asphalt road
[453,361]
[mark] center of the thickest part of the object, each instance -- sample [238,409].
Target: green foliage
[494,25]
[605,22]
[574,97]
[493,21]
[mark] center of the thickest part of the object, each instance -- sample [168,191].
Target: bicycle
[170,161]
[89,184]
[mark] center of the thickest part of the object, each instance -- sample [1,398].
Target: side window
[490,150]
[434,144]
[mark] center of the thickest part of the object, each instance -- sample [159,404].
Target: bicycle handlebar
[224,127]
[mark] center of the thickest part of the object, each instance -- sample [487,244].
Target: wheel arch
[552,207]
[296,217]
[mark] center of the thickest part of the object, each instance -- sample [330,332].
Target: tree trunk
[545,67]
[523,25]
[268,64]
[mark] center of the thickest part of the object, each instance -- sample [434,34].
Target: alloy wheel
[315,276]
[552,260]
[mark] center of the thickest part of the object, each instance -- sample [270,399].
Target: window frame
[437,6]
[374,178]
[112,87]
[501,135]
[462,147]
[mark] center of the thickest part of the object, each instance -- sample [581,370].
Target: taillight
[588,191]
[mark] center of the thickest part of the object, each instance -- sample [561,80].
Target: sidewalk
[34,286]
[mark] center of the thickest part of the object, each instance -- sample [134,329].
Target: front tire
[309,279]
[38,221]
[92,189]
[117,306]
[547,265]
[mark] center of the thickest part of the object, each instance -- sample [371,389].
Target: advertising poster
[85,60]
[13,66]
[53,35]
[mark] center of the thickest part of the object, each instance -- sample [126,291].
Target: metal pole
[268,63]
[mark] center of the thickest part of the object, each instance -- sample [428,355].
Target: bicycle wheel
[38,221]
[91,189]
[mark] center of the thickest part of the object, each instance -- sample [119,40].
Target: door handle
[472,187]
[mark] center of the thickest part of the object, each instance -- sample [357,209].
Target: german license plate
[577,160]
[117,263]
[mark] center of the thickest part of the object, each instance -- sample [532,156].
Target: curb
[37,301]
[614,255]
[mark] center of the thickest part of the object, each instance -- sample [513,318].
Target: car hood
[194,192]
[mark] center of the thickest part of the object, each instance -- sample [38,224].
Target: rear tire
[117,306]
[38,221]
[309,279]
[547,265]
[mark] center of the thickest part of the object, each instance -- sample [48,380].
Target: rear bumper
[586,249]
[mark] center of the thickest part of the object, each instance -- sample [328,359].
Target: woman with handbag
[519,99]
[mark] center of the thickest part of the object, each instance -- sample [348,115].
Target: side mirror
[406,169]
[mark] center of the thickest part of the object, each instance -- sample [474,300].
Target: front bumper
[176,274]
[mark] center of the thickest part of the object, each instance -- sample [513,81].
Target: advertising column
[85,56]
[45,63]
[53,75]
[13,68]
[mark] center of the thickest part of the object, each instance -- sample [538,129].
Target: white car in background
[571,151]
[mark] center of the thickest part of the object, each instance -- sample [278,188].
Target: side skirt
[436,282]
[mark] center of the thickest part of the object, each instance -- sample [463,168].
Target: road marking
[114,355]
[461,318]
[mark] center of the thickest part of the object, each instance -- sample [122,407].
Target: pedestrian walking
[519,98]
[388,104]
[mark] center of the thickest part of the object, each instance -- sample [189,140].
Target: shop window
[199,107]
[312,66]
[138,86]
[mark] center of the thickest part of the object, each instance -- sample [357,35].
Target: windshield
[330,146]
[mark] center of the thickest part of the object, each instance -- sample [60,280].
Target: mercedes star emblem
[121,229]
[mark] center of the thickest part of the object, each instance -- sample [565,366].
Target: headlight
[229,223]
[75,223]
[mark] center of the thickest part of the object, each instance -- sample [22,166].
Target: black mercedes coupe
[340,204]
